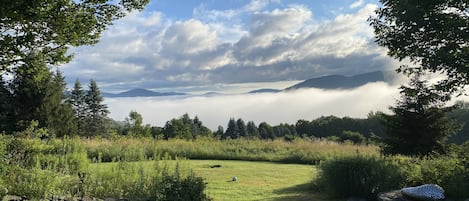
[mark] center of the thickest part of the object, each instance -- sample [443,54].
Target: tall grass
[47,169]
[302,151]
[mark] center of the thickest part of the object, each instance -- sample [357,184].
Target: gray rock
[427,192]
[392,196]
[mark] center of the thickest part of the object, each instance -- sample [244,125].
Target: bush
[142,183]
[37,184]
[176,188]
[446,171]
[360,176]
[354,137]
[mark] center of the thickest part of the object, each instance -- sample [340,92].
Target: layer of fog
[273,108]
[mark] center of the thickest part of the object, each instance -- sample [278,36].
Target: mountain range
[344,82]
[324,82]
[141,93]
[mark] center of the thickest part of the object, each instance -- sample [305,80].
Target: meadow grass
[256,180]
[301,151]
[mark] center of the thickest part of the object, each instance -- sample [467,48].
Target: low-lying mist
[273,108]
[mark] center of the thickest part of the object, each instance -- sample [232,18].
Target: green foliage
[39,184]
[36,94]
[301,151]
[185,128]
[360,176]
[365,176]
[142,183]
[419,125]
[431,33]
[77,100]
[354,137]
[175,188]
[327,126]
[48,28]
[96,111]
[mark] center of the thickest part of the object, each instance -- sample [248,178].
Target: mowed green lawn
[256,180]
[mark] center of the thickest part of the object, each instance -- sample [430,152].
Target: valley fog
[273,108]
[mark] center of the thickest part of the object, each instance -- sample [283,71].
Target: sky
[232,47]
[212,45]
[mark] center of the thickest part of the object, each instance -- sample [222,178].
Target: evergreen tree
[419,125]
[96,112]
[232,131]
[198,129]
[30,88]
[252,131]
[219,134]
[78,101]
[58,111]
[241,127]
[6,107]
[266,131]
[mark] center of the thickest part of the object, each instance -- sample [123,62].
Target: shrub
[37,184]
[354,137]
[361,176]
[176,188]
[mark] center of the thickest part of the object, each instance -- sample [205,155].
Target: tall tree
[176,128]
[232,131]
[419,125]
[6,107]
[252,131]
[434,34]
[78,101]
[241,127]
[97,111]
[59,114]
[47,28]
[266,131]
[198,129]
[29,88]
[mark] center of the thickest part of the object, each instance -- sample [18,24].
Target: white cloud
[285,107]
[248,44]
[357,4]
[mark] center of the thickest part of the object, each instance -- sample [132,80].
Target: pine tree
[6,107]
[78,102]
[241,127]
[58,112]
[29,90]
[232,131]
[252,130]
[97,112]
[419,125]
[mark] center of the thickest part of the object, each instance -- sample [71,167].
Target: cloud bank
[263,41]
[285,107]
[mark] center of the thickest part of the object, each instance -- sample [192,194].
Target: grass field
[256,180]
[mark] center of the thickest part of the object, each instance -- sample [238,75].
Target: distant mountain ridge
[141,93]
[343,82]
[324,82]
[264,91]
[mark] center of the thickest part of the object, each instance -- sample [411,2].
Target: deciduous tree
[48,28]
[433,34]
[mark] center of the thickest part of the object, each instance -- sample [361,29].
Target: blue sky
[216,45]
